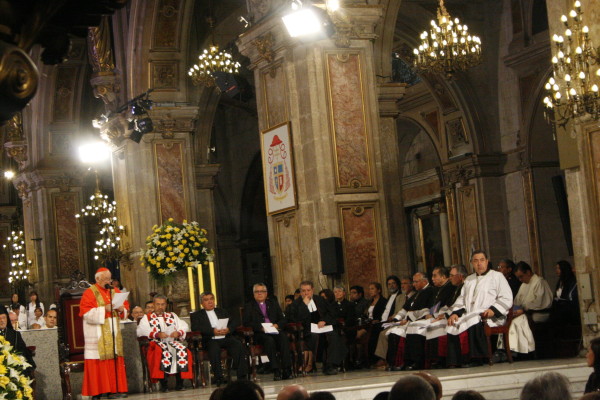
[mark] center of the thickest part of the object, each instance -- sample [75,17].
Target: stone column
[327,90]
[154,180]
[445,235]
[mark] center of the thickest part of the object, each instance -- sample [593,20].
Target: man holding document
[215,326]
[266,319]
[166,354]
[103,343]
[318,317]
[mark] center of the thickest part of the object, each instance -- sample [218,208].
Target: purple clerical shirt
[263,310]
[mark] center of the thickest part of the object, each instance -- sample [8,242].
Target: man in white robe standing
[485,295]
[535,297]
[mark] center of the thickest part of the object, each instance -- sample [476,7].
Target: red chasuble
[99,375]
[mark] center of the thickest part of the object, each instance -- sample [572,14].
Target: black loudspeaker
[332,256]
[227,83]
[563,210]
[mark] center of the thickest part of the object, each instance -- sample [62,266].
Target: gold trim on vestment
[105,342]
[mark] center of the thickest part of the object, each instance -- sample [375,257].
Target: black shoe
[180,388]
[397,368]
[331,371]
[164,389]
[410,367]
[286,374]
[277,374]
[472,364]
[220,381]
[117,395]
[98,396]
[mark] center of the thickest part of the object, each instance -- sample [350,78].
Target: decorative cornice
[388,95]
[206,176]
[472,166]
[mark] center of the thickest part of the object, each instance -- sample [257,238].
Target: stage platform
[498,382]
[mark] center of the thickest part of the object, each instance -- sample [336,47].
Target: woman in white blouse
[34,302]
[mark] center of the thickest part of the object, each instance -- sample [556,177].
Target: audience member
[166,354]
[217,394]
[149,307]
[394,301]
[292,392]
[357,296]
[215,338]
[550,386]
[14,301]
[314,310]
[507,268]
[38,321]
[434,381]
[535,297]
[137,314]
[34,302]
[21,320]
[321,396]
[565,307]
[416,308]
[243,389]
[15,339]
[51,318]
[343,308]
[289,299]
[382,396]
[468,395]
[327,294]
[593,361]
[296,294]
[485,296]
[266,310]
[411,387]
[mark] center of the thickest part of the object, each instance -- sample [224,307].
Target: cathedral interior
[411,169]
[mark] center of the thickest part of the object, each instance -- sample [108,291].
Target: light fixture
[308,22]
[20,266]
[448,47]
[573,87]
[94,152]
[8,174]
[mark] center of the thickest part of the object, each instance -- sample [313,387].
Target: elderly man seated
[166,354]
[535,297]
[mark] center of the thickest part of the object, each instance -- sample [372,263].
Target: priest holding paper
[318,318]
[266,319]
[103,342]
[166,354]
[215,326]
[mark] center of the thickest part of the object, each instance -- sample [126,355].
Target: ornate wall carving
[172,193]
[289,257]
[166,34]
[66,79]
[349,122]
[164,75]
[273,82]
[68,245]
[361,250]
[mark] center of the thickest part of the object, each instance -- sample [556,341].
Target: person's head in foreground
[292,392]
[467,395]
[412,387]
[243,389]
[550,386]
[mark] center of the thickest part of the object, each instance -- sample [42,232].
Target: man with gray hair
[412,387]
[166,354]
[550,386]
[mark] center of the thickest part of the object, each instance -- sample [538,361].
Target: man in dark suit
[266,310]
[310,309]
[213,339]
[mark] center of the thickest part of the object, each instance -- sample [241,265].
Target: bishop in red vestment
[99,365]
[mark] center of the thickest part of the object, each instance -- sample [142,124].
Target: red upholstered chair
[497,330]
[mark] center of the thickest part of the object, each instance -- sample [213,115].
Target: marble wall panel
[275,95]
[289,258]
[432,119]
[349,122]
[62,105]
[68,243]
[469,218]
[361,248]
[166,24]
[172,195]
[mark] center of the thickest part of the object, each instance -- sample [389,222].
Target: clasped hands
[109,308]
[163,335]
[220,332]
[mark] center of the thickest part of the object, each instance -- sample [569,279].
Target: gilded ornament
[264,46]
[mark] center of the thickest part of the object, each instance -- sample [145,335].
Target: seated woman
[565,307]
[373,314]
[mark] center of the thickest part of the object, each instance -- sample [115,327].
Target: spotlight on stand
[307,22]
[140,126]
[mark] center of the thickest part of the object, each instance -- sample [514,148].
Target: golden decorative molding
[264,46]
[14,128]
[100,50]
[17,150]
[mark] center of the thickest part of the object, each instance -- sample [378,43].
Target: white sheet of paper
[314,328]
[264,359]
[390,324]
[269,328]
[119,299]
[221,324]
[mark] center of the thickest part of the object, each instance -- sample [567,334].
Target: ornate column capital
[168,120]
[16,145]
[206,175]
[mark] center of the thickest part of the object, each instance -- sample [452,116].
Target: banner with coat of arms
[278,169]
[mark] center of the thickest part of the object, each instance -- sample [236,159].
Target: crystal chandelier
[19,264]
[212,61]
[572,88]
[448,47]
[105,212]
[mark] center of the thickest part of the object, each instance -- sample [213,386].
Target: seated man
[417,331]
[416,308]
[357,297]
[51,318]
[265,310]
[507,267]
[149,307]
[310,310]
[534,296]
[15,339]
[137,314]
[166,354]
[20,317]
[485,295]
[214,339]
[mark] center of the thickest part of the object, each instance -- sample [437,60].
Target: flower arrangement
[172,247]
[14,384]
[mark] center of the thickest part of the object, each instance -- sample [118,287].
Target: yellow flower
[171,253]
[176,229]
[180,247]
[163,244]
[4,379]
[2,370]
[168,236]
[161,271]
[169,248]
[195,252]
[183,241]
[148,269]
[170,220]
[23,380]
[19,394]
[186,250]
[196,244]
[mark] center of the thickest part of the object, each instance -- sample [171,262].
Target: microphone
[107,286]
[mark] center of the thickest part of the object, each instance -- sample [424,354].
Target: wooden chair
[255,351]
[497,330]
[295,331]
[65,375]
[144,343]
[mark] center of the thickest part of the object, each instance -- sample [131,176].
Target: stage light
[9,174]
[94,152]
[302,22]
[144,125]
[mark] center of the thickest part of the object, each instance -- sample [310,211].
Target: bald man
[292,392]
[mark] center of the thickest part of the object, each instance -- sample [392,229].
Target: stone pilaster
[153,180]
[327,90]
